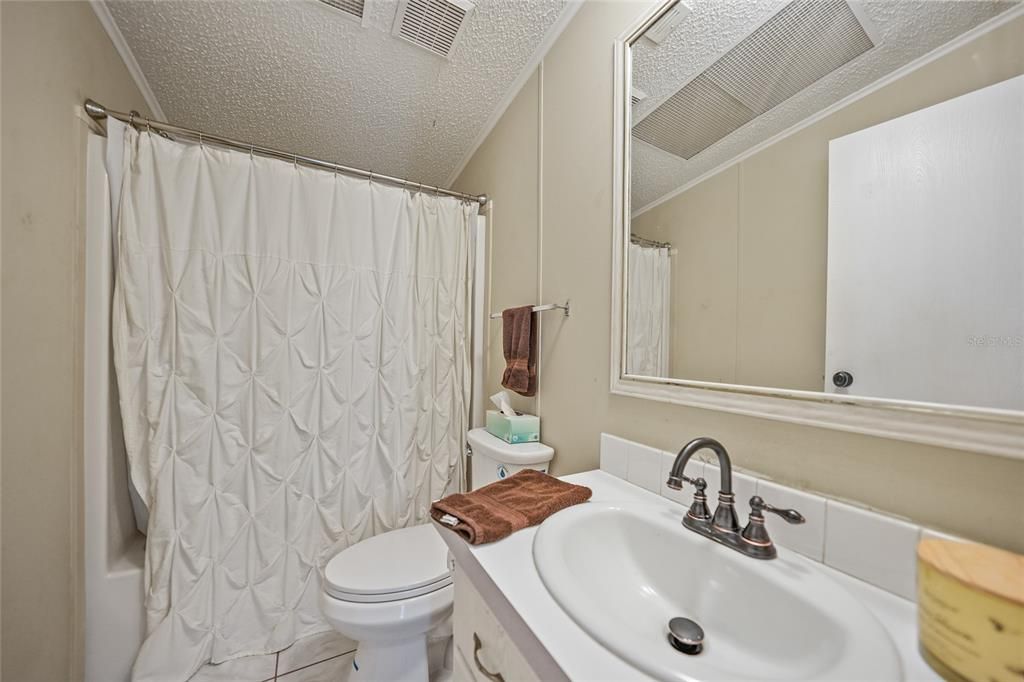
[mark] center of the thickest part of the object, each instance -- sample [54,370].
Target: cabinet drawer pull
[477,645]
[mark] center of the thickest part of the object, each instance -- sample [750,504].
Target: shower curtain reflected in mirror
[291,353]
[647,324]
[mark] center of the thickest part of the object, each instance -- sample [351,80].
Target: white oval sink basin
[623,571]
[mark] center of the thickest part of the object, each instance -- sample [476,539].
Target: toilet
[389,592]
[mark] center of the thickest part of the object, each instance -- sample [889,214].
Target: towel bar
[541,308]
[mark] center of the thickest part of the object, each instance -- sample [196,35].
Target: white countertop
[508,564]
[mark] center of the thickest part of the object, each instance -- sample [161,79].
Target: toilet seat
[400,564]
[386,596]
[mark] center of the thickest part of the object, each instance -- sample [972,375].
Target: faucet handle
[755,535]
[699,508]
[699,483]
[757,505]
[676,482]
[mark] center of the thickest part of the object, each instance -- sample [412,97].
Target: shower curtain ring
[149,127]
[131,118]
[251,156]
[201,141]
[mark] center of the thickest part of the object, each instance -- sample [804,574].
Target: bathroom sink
[622,571]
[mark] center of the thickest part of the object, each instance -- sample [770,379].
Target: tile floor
[326,657]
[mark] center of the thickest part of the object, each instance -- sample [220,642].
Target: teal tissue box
[522,428]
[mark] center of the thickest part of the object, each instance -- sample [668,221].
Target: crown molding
[121,45]
[550,37]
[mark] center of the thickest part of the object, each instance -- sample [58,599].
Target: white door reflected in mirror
[926,254]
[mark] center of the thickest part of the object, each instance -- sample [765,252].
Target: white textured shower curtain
[647,317]
[291,354]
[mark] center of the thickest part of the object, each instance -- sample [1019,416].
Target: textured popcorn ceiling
[303,77]
[907,29]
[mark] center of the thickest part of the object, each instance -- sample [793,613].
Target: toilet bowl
[387,593]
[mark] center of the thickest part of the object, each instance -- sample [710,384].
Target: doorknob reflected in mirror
[842,379]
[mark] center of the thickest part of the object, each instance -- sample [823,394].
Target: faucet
[725,515]
[724,527]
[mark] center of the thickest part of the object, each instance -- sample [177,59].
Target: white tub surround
[115,619]
[556,647]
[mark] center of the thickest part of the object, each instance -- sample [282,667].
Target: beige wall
[704,229]
[54,54]
[771,233]
[505,163]
[966,493]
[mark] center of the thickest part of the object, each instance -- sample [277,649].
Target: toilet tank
[494,459]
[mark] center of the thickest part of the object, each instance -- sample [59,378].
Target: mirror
[826,198]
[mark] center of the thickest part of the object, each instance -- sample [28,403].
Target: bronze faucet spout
[689,450]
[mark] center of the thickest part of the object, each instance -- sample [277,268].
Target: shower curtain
[647,316]
[291,353]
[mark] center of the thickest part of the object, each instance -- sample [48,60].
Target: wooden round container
[970,611]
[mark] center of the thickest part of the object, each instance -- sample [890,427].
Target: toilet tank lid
[484,443]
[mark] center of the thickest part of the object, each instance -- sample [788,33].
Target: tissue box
[522,428]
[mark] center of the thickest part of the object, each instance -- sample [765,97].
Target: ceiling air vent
[805,41]
[431,24]
[637,95]
[352,8]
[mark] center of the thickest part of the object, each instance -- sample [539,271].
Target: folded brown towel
[519,341]
[501,508]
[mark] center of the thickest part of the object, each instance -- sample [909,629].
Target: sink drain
[686,636]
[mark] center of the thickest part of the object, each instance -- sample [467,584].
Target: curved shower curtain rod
[644,241]
[97,111]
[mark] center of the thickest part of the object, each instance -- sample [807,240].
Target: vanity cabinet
[484,652]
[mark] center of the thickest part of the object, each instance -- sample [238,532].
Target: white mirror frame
[989,431]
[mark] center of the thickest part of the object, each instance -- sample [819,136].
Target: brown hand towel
[519,341]
[499,509]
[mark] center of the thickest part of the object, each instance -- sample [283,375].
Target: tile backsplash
[873,547]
